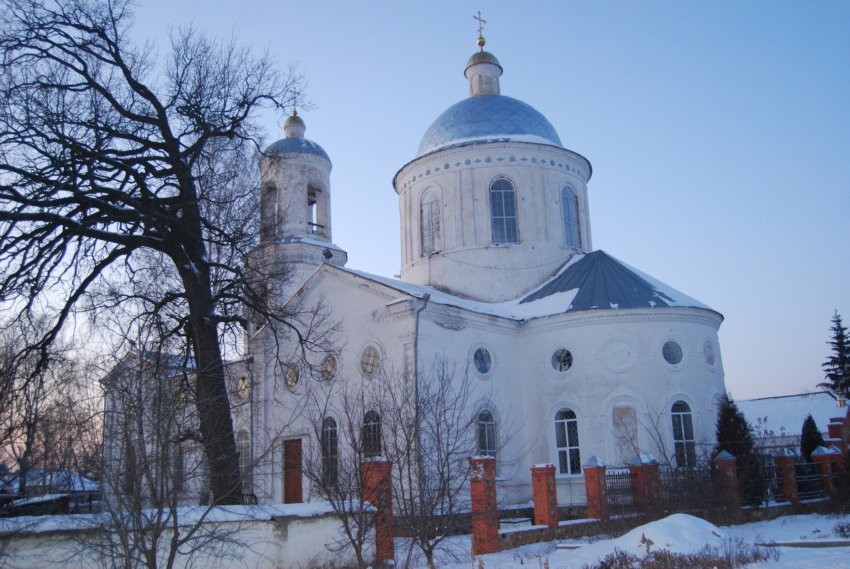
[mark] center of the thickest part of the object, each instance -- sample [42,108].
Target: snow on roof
[784,415]
[57,481]
[592,281]
[601,281]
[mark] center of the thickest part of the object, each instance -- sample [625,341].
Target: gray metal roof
[488,117]
[296,145]
[601,281]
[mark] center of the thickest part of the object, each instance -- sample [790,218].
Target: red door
[292,471]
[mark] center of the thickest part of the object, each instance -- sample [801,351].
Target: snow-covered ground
[678,533]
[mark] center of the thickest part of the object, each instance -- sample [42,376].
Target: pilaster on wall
[596,487]
[485,515]
[545,495]
[378,491]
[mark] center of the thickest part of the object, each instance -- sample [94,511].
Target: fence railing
[619,485]
[810,483]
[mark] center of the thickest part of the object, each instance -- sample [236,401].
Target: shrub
[733,554]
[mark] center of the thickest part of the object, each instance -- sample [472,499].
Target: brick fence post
[838,457]
[378,491]
[785,466]
[835,432]
[824,458]
[726,466]
[545,495]
[646,481]
[485,515]
[595,486]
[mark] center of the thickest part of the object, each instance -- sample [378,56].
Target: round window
[708,352]
[562,360]
[329,368]
[483,360]
[243,387]
[291,377]
[370,361]
[672,352]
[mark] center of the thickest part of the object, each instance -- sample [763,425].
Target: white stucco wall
[295,535]
[468,263]
[617,362]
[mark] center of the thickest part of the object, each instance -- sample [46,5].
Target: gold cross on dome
[294,101]
[481,22]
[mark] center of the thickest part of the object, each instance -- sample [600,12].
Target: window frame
[684,448]
[243,445]
[504,225]
[562,425]
[371,436]
[570,217]
[430,230]
[329,447]
[485,422]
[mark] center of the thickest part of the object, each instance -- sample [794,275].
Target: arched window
[486,434]
[429,219]
[243,444]
[178,467]
[329,451]
[571,224]
[683,435]
[372,435]
[566,442]
[503,211]
[268,211]
[315,211]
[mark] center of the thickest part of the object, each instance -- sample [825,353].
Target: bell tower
[295,215]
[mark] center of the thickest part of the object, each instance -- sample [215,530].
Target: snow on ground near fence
[679,533]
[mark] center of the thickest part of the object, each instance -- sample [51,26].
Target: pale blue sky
[718,134]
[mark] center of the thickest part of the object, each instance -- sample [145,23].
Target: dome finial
[294,126]
[294,101]
[481,21]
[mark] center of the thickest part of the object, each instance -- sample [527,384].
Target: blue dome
[488,117]
[295,145]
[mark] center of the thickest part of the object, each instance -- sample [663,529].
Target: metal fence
[809,481]
[619,486]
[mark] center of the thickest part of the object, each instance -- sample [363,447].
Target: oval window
[483,360]
[329,368]
[672,352]
[562,360]
[370,361]
[291,376]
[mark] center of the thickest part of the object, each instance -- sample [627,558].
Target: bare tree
[29,401]
[430,433]
[117,171]
[336,412]
[153,465]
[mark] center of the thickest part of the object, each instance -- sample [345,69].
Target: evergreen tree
[735,436]
[837,367]
[810,438]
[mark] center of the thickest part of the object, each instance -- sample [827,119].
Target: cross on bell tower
[481,21]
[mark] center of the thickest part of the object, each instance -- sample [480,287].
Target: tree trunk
[211,399]
[216,424]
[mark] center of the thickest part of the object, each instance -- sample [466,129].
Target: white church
[570,352]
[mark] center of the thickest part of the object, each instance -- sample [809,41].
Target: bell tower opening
[316,218]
